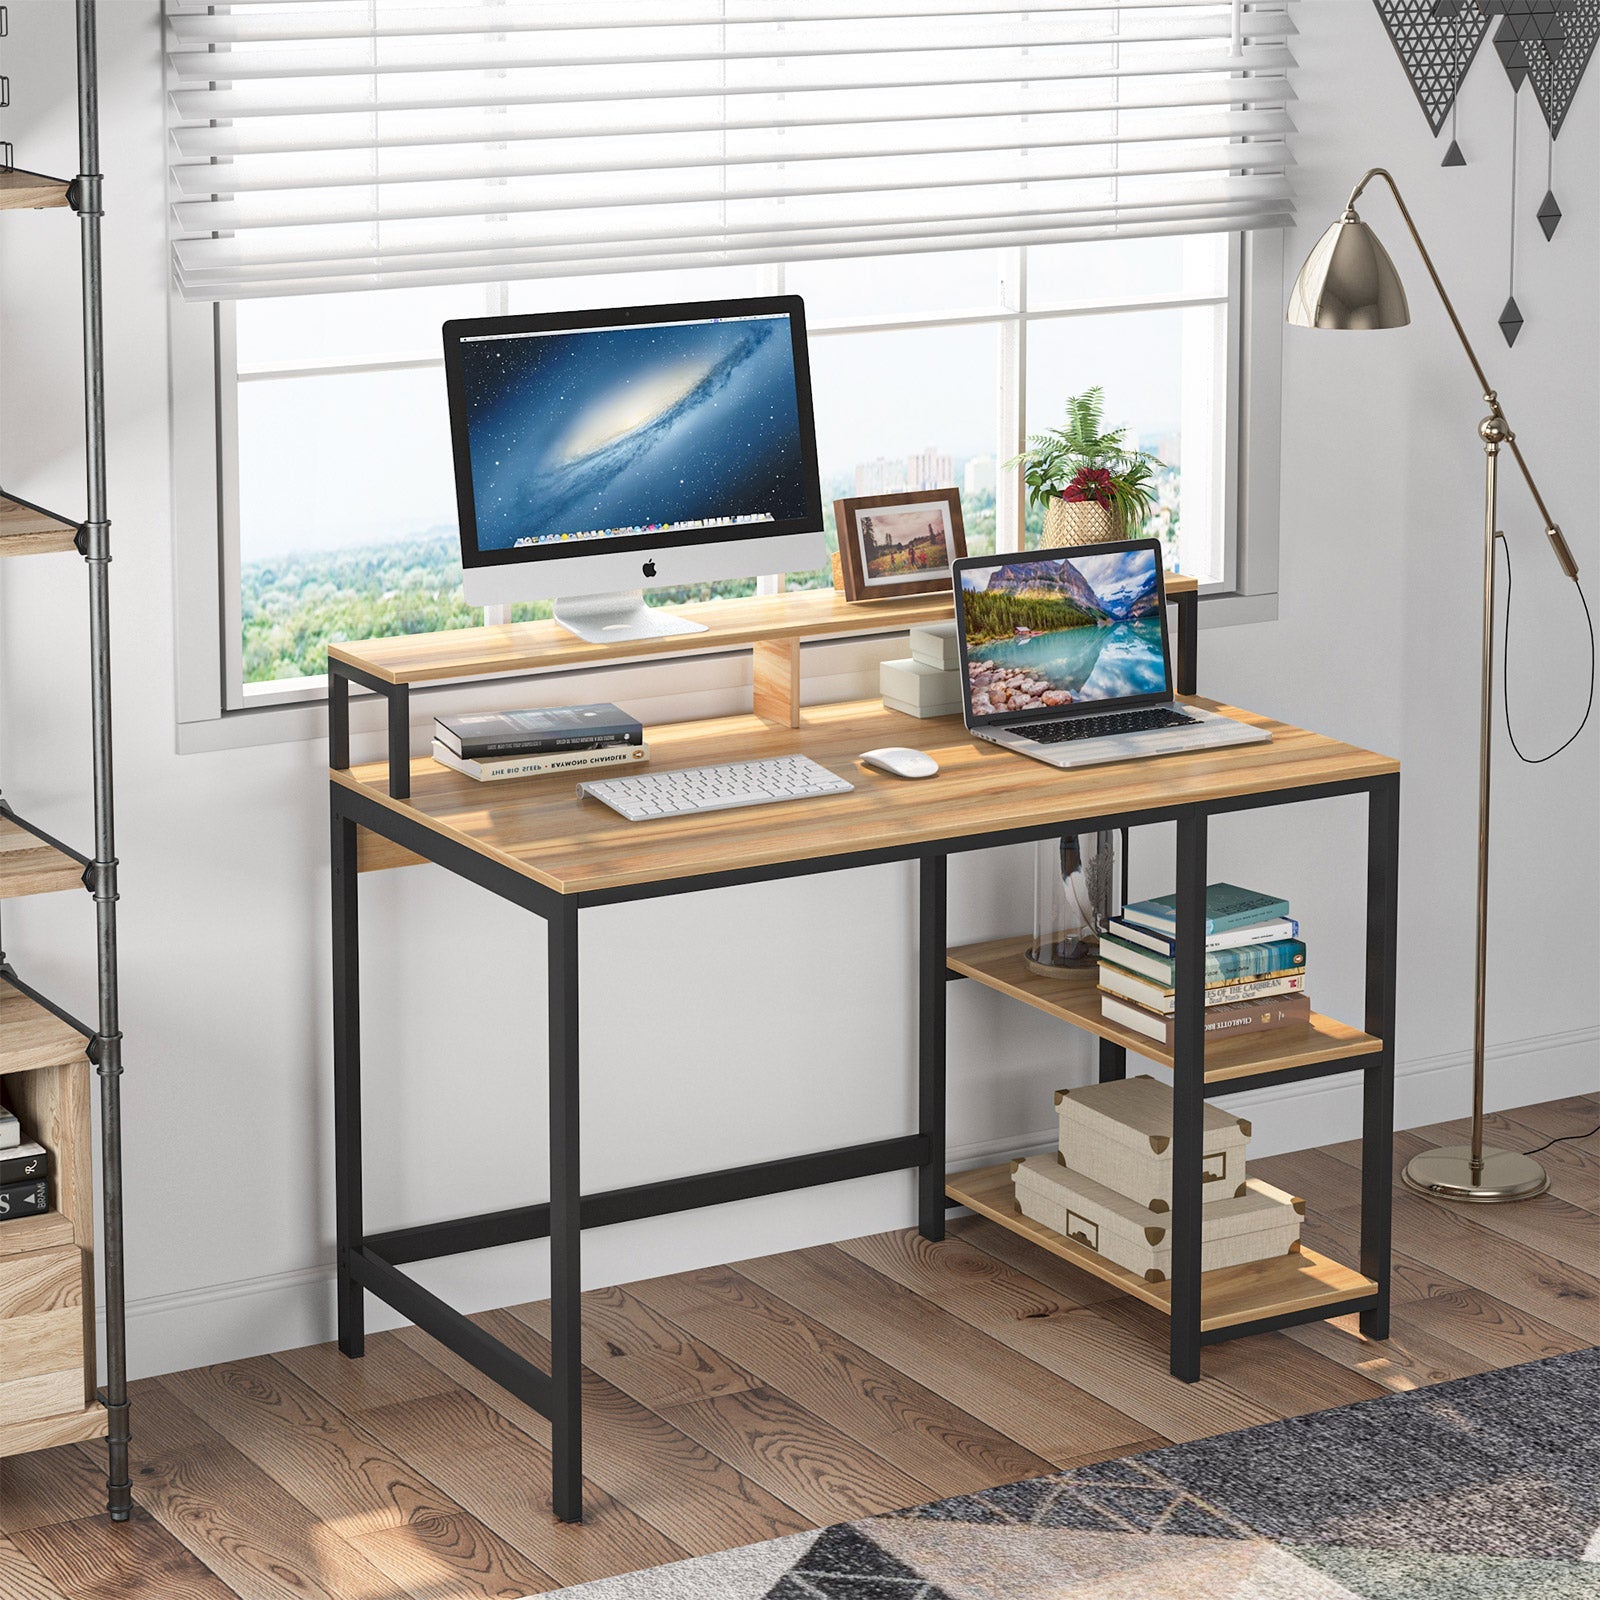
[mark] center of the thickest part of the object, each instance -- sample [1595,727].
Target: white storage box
[1120,1134]
[1260,1223]
[931,690]
[934,645]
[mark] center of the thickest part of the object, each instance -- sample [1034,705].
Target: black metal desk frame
[373,1262]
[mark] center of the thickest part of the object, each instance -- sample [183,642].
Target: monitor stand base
[609,618]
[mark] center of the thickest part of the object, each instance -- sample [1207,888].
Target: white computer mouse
[900,762]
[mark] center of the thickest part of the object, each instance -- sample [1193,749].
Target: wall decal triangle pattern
[1436,41]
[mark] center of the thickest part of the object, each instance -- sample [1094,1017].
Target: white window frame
[214,711]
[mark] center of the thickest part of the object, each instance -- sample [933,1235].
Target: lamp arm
[1558,543]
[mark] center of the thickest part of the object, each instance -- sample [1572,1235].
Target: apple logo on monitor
[650,569]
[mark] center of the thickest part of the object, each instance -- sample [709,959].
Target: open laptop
[1064,657]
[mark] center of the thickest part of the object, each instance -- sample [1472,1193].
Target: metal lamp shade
[1348,281]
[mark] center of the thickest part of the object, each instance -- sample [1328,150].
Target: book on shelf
[1241,1016]
[1222,966]
[1227,907]
[491,770]
[473,735]
[23,1162]
[1264,932]
[1162,1000]
[10,1130]
[31,1199]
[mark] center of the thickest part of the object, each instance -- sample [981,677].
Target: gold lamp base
[1447,1175]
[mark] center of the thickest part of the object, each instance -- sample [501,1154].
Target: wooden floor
[742,1402]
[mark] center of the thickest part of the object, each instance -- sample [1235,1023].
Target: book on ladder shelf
[1255,965]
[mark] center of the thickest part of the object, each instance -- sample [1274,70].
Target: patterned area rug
[1487,1488]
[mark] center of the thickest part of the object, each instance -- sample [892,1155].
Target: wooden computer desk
[535,843]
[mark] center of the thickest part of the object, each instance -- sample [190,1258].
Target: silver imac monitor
[600,452]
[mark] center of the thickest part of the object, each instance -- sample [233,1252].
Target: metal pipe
[107,1046]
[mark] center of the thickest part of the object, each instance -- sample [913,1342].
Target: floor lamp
[1349,282]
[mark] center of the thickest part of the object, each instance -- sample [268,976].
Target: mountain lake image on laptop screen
[1063,631]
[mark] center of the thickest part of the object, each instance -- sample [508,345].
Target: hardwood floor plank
[644,1355]
[1033,1405]
[700,1501]
[20,1579]
[452,1555]
[1410,1358]
[1091,1347]
[1451,1237]
[390,1371]
[49,1486]
[234,1518]
[138,1561]
[872,1401]
[771,1440]
[501,1475]
[342,1474]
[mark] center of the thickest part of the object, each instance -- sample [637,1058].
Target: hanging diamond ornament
[1549,214]
[1511,321]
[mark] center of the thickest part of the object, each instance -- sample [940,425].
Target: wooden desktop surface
[528,646]
[539,826]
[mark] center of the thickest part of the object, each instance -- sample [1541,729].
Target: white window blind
[351,144]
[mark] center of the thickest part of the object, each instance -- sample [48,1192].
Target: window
[338,506]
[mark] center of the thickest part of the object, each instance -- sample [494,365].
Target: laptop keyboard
[1098,727]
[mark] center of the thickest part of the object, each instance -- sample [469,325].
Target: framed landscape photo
[899,544]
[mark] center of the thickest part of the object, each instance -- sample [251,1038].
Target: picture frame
[889,543]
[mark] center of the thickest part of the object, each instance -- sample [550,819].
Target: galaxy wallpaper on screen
[616,430]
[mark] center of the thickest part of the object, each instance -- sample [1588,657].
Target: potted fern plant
[1092,486]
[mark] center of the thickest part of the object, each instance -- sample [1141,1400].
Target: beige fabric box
[1120,1134]
[1253,1226]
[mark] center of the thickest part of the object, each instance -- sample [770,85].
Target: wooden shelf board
[21,1438]
[1299,1281]
[24,191]
[730,624]
[32,1038]
[30,866]
[22,1235]
[998,965]
[27,531]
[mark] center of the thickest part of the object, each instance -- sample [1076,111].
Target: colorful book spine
[1252,933]
[1250,1016]
[1222,966]
[1162,1000]
[1227,906]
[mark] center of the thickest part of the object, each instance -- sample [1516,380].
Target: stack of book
[927,683]
[521,744]
[1255,965]
[24,1172]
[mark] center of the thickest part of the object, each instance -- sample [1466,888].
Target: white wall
[764,1021]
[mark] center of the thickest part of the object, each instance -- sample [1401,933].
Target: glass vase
[1075,895]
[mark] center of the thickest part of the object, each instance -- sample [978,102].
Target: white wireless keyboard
[745,783]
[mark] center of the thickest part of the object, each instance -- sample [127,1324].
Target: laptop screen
[1063,633]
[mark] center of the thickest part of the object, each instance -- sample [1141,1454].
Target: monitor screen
[631,428]
[1062,632]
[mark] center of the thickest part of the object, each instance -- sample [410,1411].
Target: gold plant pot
[1079,522]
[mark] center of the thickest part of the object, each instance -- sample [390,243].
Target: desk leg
[1377,1110]
[347,1080]
[1188,641]
[1188,1095]
[566,1354]
[1113,1061]
[931,937]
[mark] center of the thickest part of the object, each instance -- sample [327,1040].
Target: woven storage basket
[1260,1223]
[1120,1134]
[1079,522]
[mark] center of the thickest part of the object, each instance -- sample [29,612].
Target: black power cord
[1505,671]
[1561,1138]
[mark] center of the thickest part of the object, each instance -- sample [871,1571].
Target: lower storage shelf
[1277,1287]
[22,1438]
